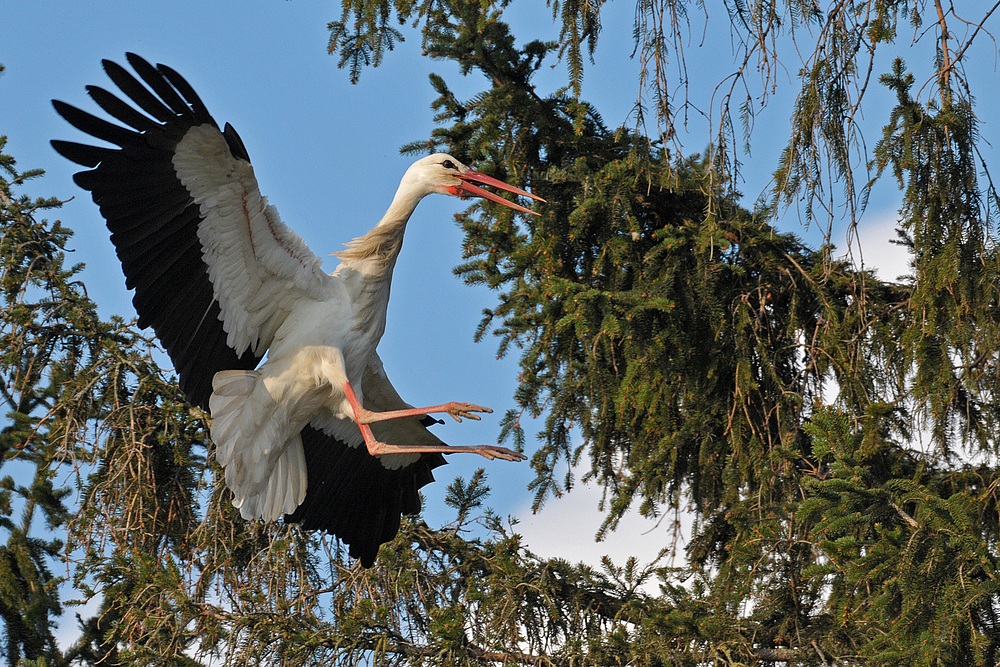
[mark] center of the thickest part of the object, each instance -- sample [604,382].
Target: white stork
[316,433]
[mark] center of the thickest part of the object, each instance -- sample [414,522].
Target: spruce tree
[40,304]
[693,356]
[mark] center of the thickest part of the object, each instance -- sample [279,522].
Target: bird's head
[444,174]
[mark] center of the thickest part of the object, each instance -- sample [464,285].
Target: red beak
[467,189]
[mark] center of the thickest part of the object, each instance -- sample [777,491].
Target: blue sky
[327,154]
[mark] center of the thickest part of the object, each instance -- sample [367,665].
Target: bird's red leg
[456,410]
[379,448]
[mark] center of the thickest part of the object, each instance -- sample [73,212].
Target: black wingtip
[137,61]
[187,91]
[94,126]
[82,154]
[137,92]
[160,85]
[59,106]
[236,146]
[119,110]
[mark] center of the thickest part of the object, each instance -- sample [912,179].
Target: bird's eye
[448,164]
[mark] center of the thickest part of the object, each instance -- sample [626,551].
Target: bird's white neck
[367,261]
[374,254]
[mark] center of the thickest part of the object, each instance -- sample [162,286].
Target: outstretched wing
[358,497]
[213,267]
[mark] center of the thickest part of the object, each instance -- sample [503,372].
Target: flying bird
[315,432]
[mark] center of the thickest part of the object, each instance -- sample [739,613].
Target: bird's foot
[493,452]
[466,410]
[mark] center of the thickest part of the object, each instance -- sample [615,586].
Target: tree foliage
[39,353]
[829,434]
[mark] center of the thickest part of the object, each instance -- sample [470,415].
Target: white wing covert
[256,264]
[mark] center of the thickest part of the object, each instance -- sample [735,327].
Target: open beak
[467,189]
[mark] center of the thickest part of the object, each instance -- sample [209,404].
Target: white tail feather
[265,465]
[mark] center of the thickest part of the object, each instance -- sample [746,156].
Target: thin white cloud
[873,247]
[566,528]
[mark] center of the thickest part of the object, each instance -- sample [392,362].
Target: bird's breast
[352,327]
[312,322]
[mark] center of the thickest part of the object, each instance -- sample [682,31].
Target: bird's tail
[265,464]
